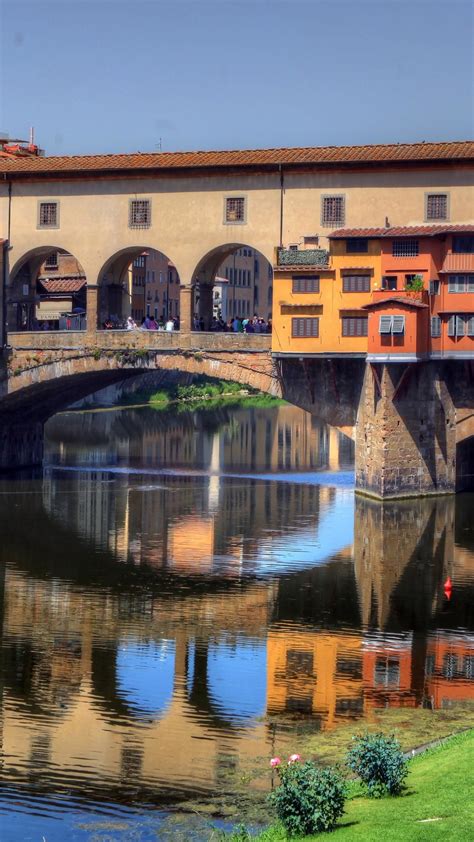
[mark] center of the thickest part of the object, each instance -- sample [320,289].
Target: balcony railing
[420,296]
[302,257]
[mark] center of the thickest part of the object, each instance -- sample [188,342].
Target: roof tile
[402,231]
[312,155]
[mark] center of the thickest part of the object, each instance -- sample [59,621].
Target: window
[436,206]
[357,245]
[356,283]
[461,325]
[461,283]
[48,215]
[139,213]
[299,663]
[405,248]
[139,262]
[304,327]
[389,282]
[463,244]
[391,324]
[435,326]
[387,671]
[333,210]
[434,287]
[235,210]
[256,268]
[51,261]
[354,326]
[305,283]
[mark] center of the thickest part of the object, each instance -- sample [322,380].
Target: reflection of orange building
[449,669]
[314,673]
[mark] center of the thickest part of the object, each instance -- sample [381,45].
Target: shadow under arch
[465,464]
[135,279]
[33,281]
[245,287]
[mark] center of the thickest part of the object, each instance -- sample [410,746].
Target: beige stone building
[199,208]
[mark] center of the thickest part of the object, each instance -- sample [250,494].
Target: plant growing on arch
[379,762]
[308,799]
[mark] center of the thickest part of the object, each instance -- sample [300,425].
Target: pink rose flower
[275,761]
[294,758]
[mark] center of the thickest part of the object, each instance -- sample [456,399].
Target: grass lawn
[440,787]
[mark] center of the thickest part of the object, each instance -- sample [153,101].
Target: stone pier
[406,431]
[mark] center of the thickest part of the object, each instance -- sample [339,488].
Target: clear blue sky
[116,76]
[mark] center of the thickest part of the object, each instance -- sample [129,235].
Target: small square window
[405,248]
[389,282]
[235,210]
[48,215]
[436,206]
[333,211]
[51,261]
[139,213]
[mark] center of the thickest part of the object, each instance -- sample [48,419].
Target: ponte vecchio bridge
[411,416]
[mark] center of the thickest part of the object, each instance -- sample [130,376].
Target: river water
[177,586]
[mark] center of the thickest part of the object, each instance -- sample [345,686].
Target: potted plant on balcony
[415,286]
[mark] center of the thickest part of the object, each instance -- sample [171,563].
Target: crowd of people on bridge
[236,325]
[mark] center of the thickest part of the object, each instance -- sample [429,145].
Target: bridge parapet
[139,339]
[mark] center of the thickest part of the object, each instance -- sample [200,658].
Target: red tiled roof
[63,284]
[407,302]
[311,155]
[403,231]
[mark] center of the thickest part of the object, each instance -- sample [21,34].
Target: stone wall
[406,431]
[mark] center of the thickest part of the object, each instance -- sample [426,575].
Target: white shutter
[460,325]
[452,326]
[398,324]
[385,324]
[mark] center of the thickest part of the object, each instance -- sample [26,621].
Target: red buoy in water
[448,588]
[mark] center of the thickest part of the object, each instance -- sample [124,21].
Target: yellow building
[319,296]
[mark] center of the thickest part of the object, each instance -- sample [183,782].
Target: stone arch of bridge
[27,288]
[122,292]
[465,463]
[235,297]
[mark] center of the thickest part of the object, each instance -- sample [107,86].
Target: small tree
[309,799]
[379,762]
[415,284]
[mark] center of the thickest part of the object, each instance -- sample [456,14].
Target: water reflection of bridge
[78,641]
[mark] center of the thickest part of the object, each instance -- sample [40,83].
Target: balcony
[303,257]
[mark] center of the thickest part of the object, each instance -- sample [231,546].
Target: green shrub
[378,760]
[416,284]
[309,799]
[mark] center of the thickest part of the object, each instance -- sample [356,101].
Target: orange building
[396,294]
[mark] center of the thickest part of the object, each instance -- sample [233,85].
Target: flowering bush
[379,762]
[308,799]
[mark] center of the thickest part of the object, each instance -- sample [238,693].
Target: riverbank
[437,804]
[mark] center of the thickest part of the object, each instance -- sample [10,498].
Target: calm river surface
[177,586]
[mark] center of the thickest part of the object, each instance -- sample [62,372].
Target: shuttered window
[398,324]
[356,283]
[436,206]
[392,324]
[434,287]
[304,327]
[354,326]
[435,326]
[305,283]
[461,325]
[461,283]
